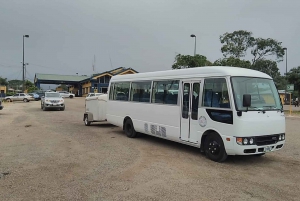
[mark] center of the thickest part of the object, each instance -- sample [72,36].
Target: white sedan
[19,97]
[66,94]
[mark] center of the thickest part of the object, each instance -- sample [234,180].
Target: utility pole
[23,64]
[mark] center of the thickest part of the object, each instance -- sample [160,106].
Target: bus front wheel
[214,147]
[129,129]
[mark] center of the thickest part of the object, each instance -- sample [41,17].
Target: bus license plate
[268,149]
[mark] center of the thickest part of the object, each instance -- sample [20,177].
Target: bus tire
[129,129]
[214,147]
[86,120]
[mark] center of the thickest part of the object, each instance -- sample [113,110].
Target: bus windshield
[264,95]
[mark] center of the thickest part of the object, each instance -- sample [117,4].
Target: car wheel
[25,100]
[44,108]
[71,96]
[129,129]
[86,120]
[8,100]
[41,106]
[214,147]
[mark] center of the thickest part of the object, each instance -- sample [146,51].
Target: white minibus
[221,110]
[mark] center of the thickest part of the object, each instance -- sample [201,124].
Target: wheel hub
[214,148]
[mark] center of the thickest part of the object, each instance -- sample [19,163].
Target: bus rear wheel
[214,147]
[129,129]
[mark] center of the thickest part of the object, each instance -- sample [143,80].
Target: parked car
[52,100]
[66,94]
[19,97]
[93,94]
[41,94]
[35,96]
[1,106]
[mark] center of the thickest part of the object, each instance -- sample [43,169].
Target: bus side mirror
[246,100]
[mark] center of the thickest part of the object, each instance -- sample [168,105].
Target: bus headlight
[279,137]
[283,137]
[245,140]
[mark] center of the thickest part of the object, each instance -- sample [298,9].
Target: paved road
[52,156]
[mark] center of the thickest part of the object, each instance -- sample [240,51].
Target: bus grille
[265,140]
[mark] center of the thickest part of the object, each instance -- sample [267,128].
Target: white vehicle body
[52,100]
[214,109]
[66,94]
[19,97]
[95,109]
[93,94]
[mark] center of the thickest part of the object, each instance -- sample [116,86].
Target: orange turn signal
[239,140]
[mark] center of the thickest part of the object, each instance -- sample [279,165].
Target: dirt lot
[52,156]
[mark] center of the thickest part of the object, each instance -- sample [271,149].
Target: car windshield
[55,95]
[264,95]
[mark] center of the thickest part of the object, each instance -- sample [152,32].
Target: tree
[293,77]
[266,47]
[15,84]
[232,61]
[30,86]
[266,66]
[236,43]
[3,81]
[187,61]
[64,87]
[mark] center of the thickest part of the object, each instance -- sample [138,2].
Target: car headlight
[251,141]
[279,137]
[245,141]
[283,137]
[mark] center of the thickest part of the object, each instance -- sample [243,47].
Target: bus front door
[189,111]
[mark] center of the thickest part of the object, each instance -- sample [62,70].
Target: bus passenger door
[189,111]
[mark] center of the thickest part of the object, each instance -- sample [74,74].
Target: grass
[294,113]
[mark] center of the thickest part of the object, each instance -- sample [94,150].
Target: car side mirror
[246,100]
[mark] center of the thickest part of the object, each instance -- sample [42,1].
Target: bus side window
[215,93]
[165,92]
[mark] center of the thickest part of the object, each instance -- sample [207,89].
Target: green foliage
[30,86]
[10,93]
[187,61]
[266,66]
[236,43]
[280,82]
[293,77]
[232,61]
[267,47]
[64,87]
[15,84]
[3,81]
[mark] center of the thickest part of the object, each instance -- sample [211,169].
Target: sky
[64,35]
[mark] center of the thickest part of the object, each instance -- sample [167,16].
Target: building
[2,91]
[98,83]
[82,85]
[288,97]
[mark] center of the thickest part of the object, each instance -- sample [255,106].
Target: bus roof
[194,72]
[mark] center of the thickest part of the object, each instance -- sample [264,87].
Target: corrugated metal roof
[74,78]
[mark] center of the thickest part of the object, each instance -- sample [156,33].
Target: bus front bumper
[232,148]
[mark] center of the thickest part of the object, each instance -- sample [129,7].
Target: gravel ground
[52,156]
